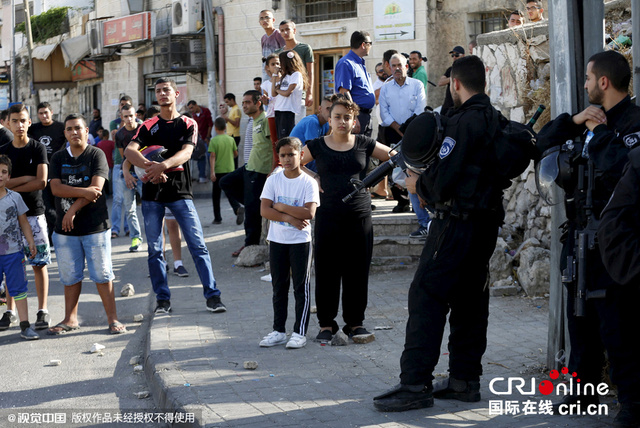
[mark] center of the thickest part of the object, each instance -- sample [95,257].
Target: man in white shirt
[399,99]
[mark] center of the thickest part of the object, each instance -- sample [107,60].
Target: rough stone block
[364,338]
[339,339]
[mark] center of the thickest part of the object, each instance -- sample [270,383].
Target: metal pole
[27,23]
[635,50]
[562,49]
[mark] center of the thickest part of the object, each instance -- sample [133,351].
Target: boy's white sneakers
[274,338]
[297,341]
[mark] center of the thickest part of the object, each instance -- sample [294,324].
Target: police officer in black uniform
[603,137]
[619,238]
[464,191]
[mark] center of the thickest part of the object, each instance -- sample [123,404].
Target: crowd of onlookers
[335,147]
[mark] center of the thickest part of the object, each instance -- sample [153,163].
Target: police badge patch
[447,147]
[631,140]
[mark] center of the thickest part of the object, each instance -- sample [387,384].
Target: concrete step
[386,222]
[391,263]
[396,246]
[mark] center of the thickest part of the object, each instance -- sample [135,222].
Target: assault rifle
[584,241]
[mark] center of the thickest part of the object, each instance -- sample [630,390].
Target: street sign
[393,20]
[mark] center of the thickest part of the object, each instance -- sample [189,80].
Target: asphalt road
[84,381]
[93,386]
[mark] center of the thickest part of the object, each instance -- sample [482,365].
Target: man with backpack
[463,188]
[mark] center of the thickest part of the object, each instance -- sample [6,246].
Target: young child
[223,150]
[289,200]
[13,218]
[288,84]
[272,67]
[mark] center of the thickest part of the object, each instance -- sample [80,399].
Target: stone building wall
[517,67]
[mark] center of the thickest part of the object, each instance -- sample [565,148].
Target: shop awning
[43,52]
[75,49]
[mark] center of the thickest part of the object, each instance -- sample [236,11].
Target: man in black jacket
[464,191]
[601,139]
[619,238]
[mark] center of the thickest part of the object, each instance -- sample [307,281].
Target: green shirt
[421,74]
[261,156]
[223,146]
[303,50]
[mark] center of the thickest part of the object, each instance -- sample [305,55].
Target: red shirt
[107,146]
[204,121]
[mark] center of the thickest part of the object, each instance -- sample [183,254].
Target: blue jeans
[187,217]
[116,208]
[72,252]
[421,213]
[202,166]
[129,202]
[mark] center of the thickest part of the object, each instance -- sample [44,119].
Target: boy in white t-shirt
[289,200]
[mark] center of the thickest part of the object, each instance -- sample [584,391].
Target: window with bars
[486,22]
[323,10]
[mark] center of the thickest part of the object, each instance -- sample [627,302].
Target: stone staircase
[392,247]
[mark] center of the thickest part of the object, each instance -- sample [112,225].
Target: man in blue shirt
[401,98]
[313,126]
[351,76]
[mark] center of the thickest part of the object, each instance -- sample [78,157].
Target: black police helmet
[422,139]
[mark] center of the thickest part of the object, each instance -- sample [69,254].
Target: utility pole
[14,83]
[210,49]
[27,26]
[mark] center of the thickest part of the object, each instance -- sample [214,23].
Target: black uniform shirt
[462,168]
[608,148]
[619,230]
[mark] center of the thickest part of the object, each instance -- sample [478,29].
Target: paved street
[194,358]
[84,380]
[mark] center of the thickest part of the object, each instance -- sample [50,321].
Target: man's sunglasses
[455,55]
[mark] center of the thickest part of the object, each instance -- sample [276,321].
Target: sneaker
[217,222]
[42,320]
[7,320]
[215,305]
[202,180]
[324,336]
[181,271]
[240,216]
[296,341]
[164,307]
[27,332]
[135,245]
[274,338]
[421,233]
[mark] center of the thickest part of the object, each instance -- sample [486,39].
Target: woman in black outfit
[343,231]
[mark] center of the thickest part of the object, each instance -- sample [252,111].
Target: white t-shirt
[291,191]
[292,102]
[266,87]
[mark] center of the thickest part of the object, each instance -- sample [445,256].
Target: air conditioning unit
[185,15]
[93,30]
